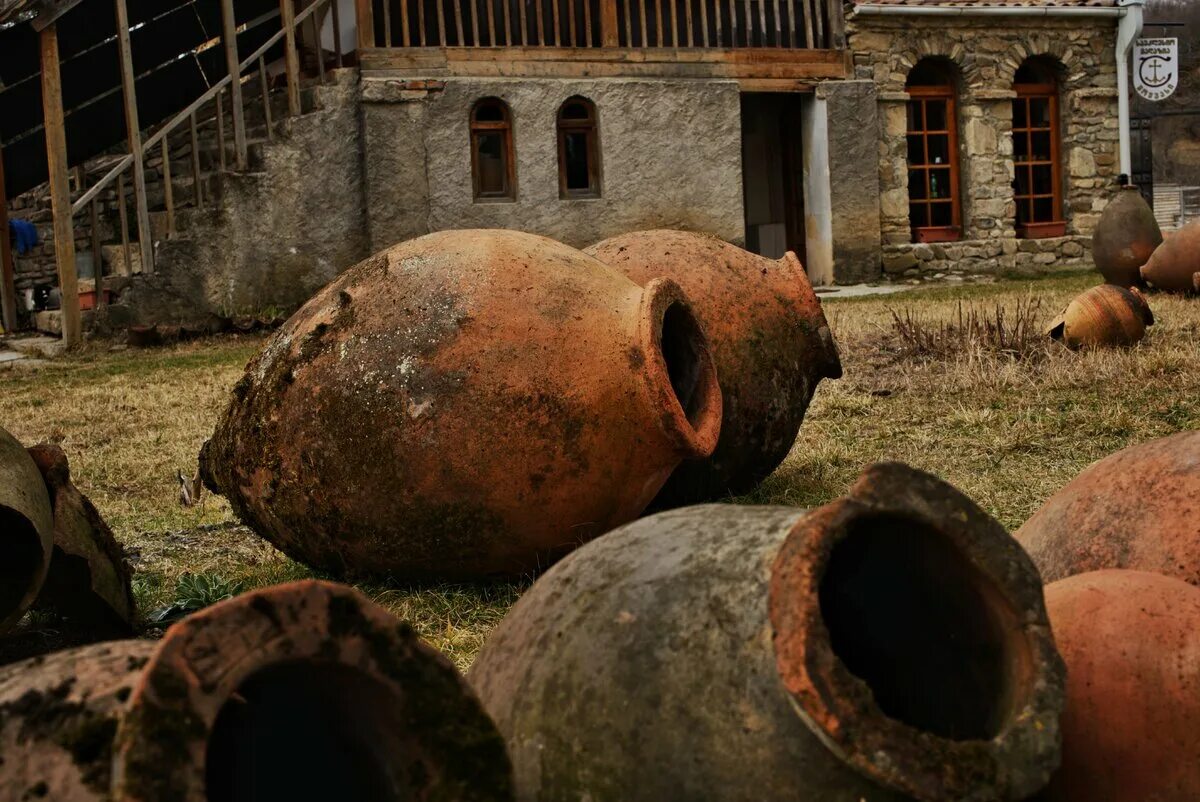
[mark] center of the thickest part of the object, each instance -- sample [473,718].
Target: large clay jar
[1138,508]
[892,644]
[1105,316]
[1131,642]
[26,530]
[305,691]
[467,403]
[770,341]
[89,579]
[1175,265]
[1125,236]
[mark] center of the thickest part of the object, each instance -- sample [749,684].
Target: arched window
[578,149]
[493,165]
[933,207]
[1037,187]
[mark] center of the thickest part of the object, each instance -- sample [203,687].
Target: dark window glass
[1043,179]
[489,112]
[578,150]
[490,157]
[916,149]
[939,148]
[935,115]
[492,151]
[577,161]
[916,184]
[941,214]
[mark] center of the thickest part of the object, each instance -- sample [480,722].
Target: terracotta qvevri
[26,529]
[1131,642]
[1104,316]
[1126,234]
[305,691]
[1138,508]
[770,340]
[1173,266]
[892,644]
[89,579]
[464,404]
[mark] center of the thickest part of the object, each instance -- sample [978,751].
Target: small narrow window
[1037,186]
[493,167]
[933,206]
[578,150]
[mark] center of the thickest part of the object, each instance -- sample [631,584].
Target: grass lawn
[1007,427]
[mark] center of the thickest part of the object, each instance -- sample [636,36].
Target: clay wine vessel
[465,404]
[1138,508]
[1125,236]
[305,691]
[26,529]
[1104,316]
[1173,266]
[770,340]
[892,644]
[1131,642]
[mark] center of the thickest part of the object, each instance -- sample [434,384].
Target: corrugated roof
[969,3]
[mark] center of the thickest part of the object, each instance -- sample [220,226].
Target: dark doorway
[773,173]
[1142,153]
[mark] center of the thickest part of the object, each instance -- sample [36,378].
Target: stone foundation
[1005,258]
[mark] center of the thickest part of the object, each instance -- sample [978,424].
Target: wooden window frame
[482,127]
[953,232]
[1056,226]
[591,128]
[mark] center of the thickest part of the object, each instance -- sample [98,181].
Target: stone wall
[670,154]
[987,56]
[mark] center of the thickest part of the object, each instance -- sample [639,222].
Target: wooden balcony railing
[724,24]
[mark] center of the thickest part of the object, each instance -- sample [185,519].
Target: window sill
[1042,230]
[937,234]
[495,200]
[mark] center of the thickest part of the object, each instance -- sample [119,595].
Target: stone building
[889,138]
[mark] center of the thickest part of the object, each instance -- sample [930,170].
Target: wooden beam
[233,64]
[610,35]
[287,17]
[134,132]
[60,187]
[364,12]
[8,283]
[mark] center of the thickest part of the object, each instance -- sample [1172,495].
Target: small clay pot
[1173,265]
[26,530]
[1138,508]
[1125,236]
[1131,642]
[465,404]
[1104,316]
[892,644]
[301,691]
[770,340]
[89,579]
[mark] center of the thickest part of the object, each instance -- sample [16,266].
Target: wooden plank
[749,25]
[557,22]
[168,190]
[337,33]
[762,22]
[687,21]
[318,51]
[704,22]
[658,22]
[674,23]
[818,24]
[541,22]
[8,284]
[364,23]
[642,17]
[806,6]
[387,24]
[778,26]
[420,20]
[266,97]
[475,21]
[491,21]
[628,22]
[220,99]
[520,14]
[287,18]
[587,23]
[837,24]
[574,42]
[507,24]
[229,40]
[610,35]
[197,184]
[60,188]
[133,131]
[793,28]
[123,213]
[717,22]
[97,257]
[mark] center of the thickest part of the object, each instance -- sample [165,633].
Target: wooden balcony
[775,43]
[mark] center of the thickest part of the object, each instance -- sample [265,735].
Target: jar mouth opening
[681,371]
[911,633]
[22,565]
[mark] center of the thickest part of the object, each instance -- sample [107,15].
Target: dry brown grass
[1006,429]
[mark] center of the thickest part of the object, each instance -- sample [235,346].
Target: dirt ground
[1007,422]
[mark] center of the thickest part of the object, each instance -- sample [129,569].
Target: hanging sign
[1156,68]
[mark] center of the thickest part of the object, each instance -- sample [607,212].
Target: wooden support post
[197,184]
[609,29]
[287,16]
[220,99]
[97,253]
[318,51]
[8,284]
[134,132]
[365,22]
[60,187]
[229,35]
[168,190]
[337,33]
[123,213]
[266,97]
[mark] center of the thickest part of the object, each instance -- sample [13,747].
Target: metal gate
[1142,153]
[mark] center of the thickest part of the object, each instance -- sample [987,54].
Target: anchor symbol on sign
[1154,64]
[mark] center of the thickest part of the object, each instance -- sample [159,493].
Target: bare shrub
[996,330]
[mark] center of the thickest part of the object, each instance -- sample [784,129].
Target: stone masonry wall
[670,157]
[987,55]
